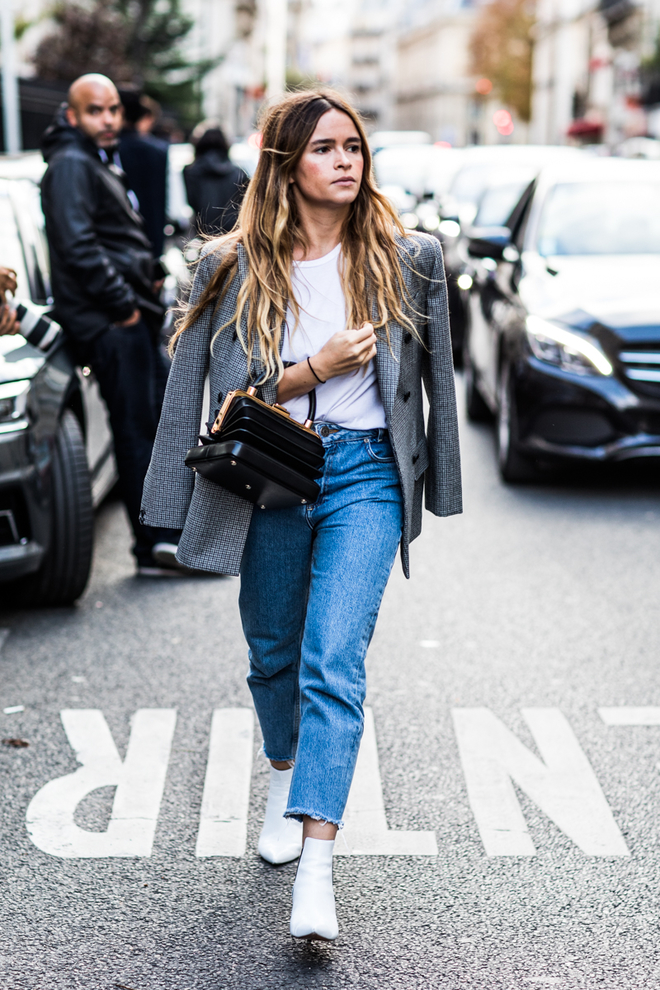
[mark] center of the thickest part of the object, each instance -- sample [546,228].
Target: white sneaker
[281,838]
[165,554]
[166,564]
[313,915]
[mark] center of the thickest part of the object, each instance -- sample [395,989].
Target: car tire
[475,405]
[64,573]
[514,467]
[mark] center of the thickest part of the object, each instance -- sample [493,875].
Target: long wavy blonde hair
[269,227]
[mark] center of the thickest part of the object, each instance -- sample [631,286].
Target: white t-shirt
[352,401]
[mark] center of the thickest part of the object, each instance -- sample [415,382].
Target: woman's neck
[322,228]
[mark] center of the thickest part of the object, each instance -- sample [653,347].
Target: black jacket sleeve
[69,201]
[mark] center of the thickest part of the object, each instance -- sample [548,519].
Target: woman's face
[330,170]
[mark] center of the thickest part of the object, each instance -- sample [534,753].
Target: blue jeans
[312,580]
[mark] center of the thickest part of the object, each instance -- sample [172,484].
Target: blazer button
[415,458]
[407,338]
[406,396]
[219,399]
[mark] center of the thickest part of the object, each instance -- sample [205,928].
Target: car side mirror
[489,242]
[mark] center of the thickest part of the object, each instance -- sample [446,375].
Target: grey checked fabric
[214,521]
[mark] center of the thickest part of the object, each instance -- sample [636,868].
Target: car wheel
[514,466]
[64,572]
[475,404]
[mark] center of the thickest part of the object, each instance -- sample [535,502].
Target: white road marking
[139,780]
[365,831]
[630,716]
[564,786]
[223,823]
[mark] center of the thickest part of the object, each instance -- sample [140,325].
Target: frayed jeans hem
[278,759]
[298,813]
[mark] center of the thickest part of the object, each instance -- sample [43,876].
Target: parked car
[493,208]
[56,454]
[563,341]
[425,170]
[482,168]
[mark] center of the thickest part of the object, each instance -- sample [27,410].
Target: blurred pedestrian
[144,160]
[214,185]
[285,300]
[103,279]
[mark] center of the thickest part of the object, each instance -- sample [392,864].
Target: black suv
[56,456]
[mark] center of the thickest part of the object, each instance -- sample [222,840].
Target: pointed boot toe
[313,914]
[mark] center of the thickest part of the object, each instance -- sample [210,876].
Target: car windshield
[470,182]
[601,218]
[497,204]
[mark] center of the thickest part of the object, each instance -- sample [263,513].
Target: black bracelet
[319,380]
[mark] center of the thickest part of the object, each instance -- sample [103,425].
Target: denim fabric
[312,580]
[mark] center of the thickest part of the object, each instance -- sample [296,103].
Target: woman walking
[318,287]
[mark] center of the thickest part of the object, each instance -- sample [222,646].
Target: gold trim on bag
[250,393]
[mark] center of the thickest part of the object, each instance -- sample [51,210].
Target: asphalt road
[541,598]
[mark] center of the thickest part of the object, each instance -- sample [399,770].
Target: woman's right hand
[346,351]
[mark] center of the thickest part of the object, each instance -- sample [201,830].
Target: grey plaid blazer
[214,521]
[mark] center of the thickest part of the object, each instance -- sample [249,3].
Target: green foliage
[650,65]
[134,42]
[21,24]
[501,48]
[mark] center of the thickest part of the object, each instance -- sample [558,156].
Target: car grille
[642,368]
[14,519]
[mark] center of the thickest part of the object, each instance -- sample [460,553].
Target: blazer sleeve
[168,486]
[443,476]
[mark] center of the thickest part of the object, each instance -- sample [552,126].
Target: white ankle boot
[281,838]
[313,915]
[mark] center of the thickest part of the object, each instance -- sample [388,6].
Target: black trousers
[132,373]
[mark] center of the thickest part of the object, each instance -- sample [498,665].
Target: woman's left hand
[7,281]
[9,323]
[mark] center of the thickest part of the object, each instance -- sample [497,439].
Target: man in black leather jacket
[103,281]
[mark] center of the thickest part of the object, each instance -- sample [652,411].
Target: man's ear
[71,117]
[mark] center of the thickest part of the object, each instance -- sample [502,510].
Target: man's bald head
[95,109]
[91,84]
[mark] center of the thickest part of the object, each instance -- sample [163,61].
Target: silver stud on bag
[303,501]
[233,463]
[262,506]
[248,487]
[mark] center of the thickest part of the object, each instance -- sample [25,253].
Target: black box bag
[258,452]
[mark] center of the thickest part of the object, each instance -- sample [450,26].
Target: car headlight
[567,350]
[13,404]
[409,220]
[449,228]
